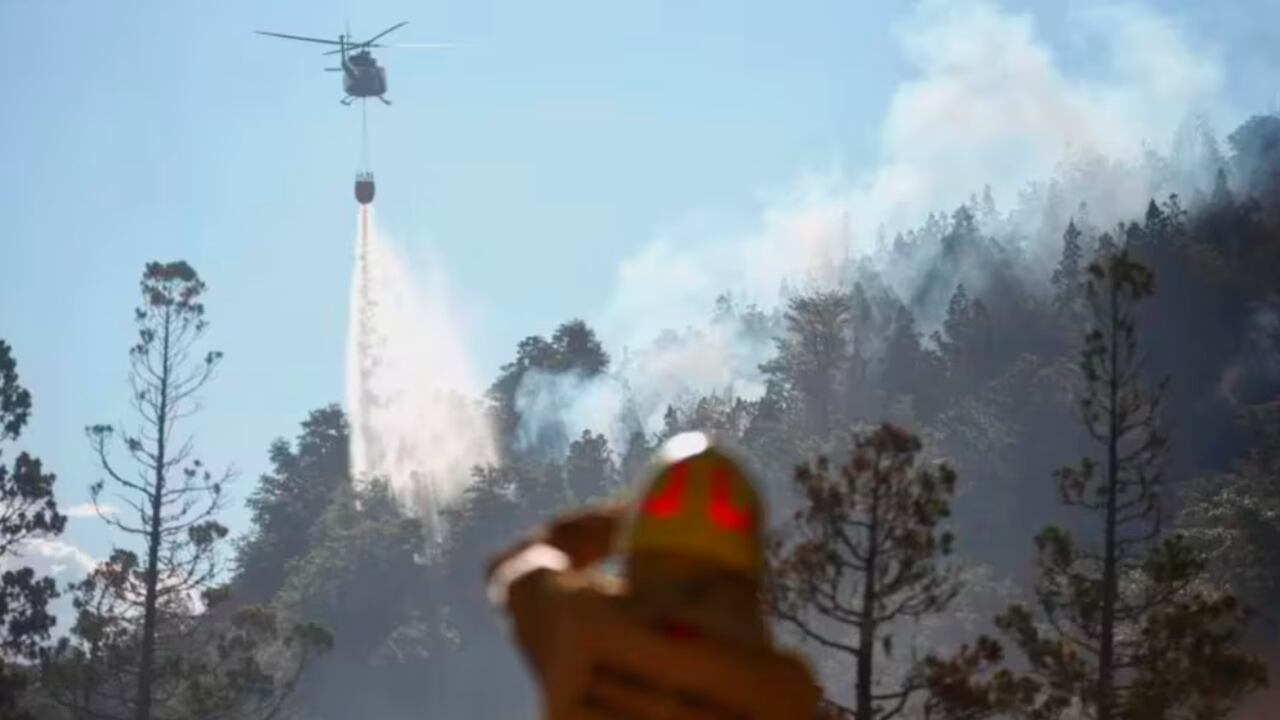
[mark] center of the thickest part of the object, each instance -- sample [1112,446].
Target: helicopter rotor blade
[354,47]
[417,46]
[298,37]
[375,38]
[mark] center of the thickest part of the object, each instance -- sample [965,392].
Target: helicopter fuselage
[362,77]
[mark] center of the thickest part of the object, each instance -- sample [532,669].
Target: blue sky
[531,161]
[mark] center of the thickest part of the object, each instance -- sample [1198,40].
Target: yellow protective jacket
[599,653]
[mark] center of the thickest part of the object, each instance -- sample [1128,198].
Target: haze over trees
[987,501]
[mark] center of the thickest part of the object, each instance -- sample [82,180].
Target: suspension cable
[365,161]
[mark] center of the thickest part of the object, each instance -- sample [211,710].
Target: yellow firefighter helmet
[701,506]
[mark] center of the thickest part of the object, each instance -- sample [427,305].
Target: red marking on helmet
[721,509]
[681,631]
[670,499]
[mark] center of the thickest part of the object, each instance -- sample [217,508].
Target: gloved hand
[586,536]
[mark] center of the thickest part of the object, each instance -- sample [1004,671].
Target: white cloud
[56,558]
[51,556]
[86,510]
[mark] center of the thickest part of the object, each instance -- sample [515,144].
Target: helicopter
[362,77]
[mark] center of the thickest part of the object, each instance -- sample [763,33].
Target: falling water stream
[410,391]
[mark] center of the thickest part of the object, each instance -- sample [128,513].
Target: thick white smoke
[989,103]
[410,387]
[679,366]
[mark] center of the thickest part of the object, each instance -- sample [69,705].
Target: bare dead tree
[173,498]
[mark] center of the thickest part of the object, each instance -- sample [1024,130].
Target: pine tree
[1255,156]
[572,349]
[1233,517]
[636,458]
[966,342]
[589,469]
[1221,198]
[957,312]
[358,575]
[866,553]
[1127,627]
[1068,276]
[578,350]
[175,504]
[289,499]
[28,511]
[1125,420]
[813,355]
[1165,223]
[987,213]
[962,239]
[867,329]
[911,375]
[139,616]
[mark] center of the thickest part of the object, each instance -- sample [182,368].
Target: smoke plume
[989,103]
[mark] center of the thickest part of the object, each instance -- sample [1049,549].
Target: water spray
[408,379]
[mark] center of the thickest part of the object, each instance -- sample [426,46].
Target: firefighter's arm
[524,580]
[573,541]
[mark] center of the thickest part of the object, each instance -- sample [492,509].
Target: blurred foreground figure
[682,633]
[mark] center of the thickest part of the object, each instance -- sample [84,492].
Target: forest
[1069,423]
